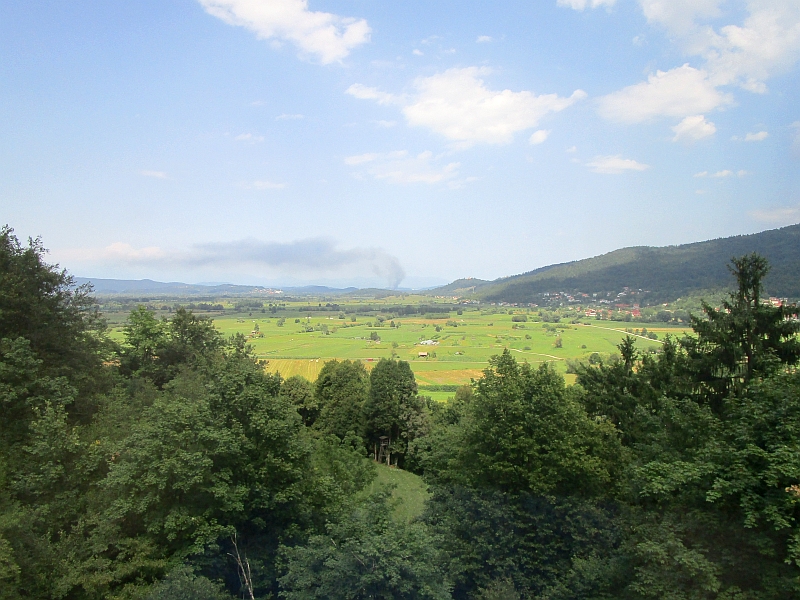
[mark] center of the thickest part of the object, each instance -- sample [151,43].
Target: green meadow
[295,341]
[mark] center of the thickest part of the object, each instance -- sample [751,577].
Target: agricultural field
[445,350]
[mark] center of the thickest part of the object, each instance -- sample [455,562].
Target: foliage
[299,392]
[182,584]
[41,304]
[340,391]
[525,431]
[393,408]
[529,541]
[368,555]
[159,467]
[157,350]
[745,338]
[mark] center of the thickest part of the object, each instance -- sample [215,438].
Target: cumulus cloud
[765,44]
[324,36]
[289,117]
[483,39]
[679,16]
[614,165]
[693,128]
[363,92]
[315,255]
[153,174]
[583,4]
[400,167]
[538,137]
[458,105]
[722,174]
[360,159]
[679,92]
[756,137]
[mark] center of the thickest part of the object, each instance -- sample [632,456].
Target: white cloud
[483,39]
[693,128]
[249,137]
[765,44]
[385,124]
[363,92]
[399,167]
[784,215]
[614,165]
[154,174]
[723,174]
[679,92]
[583,4]
[538,137]
[679,16]
[326,36]
[289,117]
[458,105]
[417,52]
[571,150]
[756,137]
[360,159]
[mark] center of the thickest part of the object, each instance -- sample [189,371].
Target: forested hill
[667,272]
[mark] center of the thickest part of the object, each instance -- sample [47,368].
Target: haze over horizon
[284,142]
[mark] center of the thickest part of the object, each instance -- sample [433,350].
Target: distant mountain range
[667,272]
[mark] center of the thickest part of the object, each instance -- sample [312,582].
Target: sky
[376,143]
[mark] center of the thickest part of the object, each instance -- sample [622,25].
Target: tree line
[172,466]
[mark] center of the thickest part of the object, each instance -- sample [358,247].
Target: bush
[519,318]
[182,584]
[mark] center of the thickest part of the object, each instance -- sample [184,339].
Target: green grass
[461,354]
[410,491]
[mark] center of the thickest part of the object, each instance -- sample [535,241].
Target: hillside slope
[667,272]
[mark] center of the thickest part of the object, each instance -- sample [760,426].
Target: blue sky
[281,142]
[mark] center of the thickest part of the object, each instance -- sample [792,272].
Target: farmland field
[444,352]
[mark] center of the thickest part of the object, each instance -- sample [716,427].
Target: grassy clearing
[410,491]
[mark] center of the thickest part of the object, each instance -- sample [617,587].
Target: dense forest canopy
[172,466]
